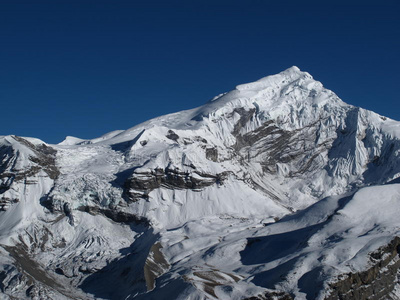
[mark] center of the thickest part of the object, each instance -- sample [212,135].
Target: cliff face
[277,190]
[377,282]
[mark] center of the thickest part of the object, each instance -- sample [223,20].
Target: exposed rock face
[376,283]
[16,168]
[139,185]
[172,135]
[114,214]
[212,154]
[155,266]
[273,146]
[271,296]
[44,158]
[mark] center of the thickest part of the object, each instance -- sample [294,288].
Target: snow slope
[263,191]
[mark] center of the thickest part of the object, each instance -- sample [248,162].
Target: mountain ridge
[185,204]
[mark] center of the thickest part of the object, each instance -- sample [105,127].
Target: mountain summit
[275,190]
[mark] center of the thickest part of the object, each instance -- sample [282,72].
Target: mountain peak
[293,69]
[278,80]
[292,96]
[295,72]
[275,188]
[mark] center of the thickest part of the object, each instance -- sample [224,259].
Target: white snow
[286,204]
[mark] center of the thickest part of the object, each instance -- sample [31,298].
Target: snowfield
[274,190]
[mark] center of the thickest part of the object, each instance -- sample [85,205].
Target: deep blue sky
[85,68]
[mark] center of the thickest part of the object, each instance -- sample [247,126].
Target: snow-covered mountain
[275,190]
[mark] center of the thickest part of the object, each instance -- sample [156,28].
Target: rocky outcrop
[14,170]
[44,159]
[270,146]
[376,283]
[172,135]
[139,185]
[212,154]
[155,265]
[115,215]
[6,202]
[27,278]
[245,117]
[271,296]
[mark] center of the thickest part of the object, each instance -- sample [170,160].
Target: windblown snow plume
[275,190]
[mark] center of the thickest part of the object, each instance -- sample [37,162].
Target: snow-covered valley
[275,190]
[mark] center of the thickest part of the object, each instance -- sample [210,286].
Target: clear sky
[84,68]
